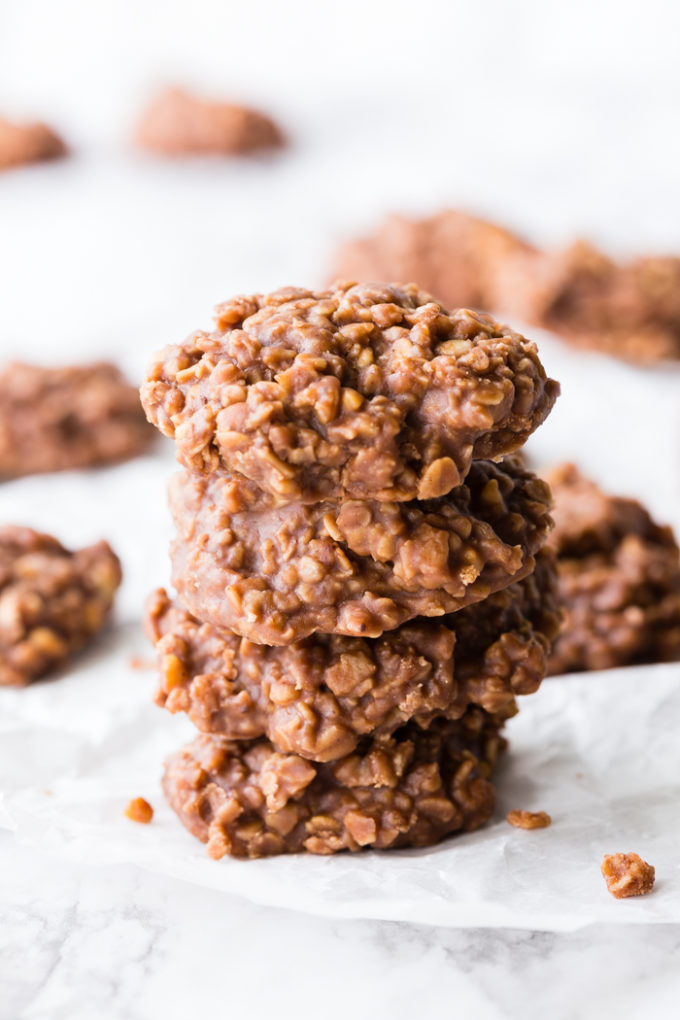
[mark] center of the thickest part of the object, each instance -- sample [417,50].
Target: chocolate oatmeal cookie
[178,124]
[55,419]
[452,255]
[51,601]
[629,309]
[319,697]
[411,789]
[28,143]
[277,573]
[360,392]
[619,579]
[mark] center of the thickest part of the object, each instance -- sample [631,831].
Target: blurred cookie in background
[179,124]
[78,416]
[31,142]
[618,579]
[454,256]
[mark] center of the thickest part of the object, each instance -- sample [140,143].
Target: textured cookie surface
[412,789]
[51,601]
[277,573]
[618,576]
[53,419]
[319,697]
[370,392]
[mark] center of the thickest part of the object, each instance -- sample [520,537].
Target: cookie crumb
[137,662]
[529,819]
[139,810]
[627,875]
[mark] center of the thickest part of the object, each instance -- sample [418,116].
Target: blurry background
[555,119]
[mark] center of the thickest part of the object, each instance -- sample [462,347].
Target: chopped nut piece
[529,819]
[627,875]
[139,810]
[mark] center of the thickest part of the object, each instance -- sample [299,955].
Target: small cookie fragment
[529,819]
[618,578]
[28,143]
[139,810]
[57,419]
[276,574]
[179,124]
[52,601]
[361,391]
[627,875]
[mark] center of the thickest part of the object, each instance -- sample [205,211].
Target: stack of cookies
[361,591]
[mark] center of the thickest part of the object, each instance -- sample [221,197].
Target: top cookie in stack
[340,503]
[368,392]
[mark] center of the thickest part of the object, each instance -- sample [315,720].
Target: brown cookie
[628,309]
[55,419]
[28,143]
[619,579]
[51,601]
[412,789]
[367,392]
[319,697]
[277,573]
[178,124]
[452,255]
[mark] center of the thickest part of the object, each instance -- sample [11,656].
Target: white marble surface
[112,943]
[555,120]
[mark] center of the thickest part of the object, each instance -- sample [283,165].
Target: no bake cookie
[278,573]
[367,392]
[54,419]
[28,143]
[411,789]
[52,601]
[319,697]
[619,579]
[458,258]
[179,124]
